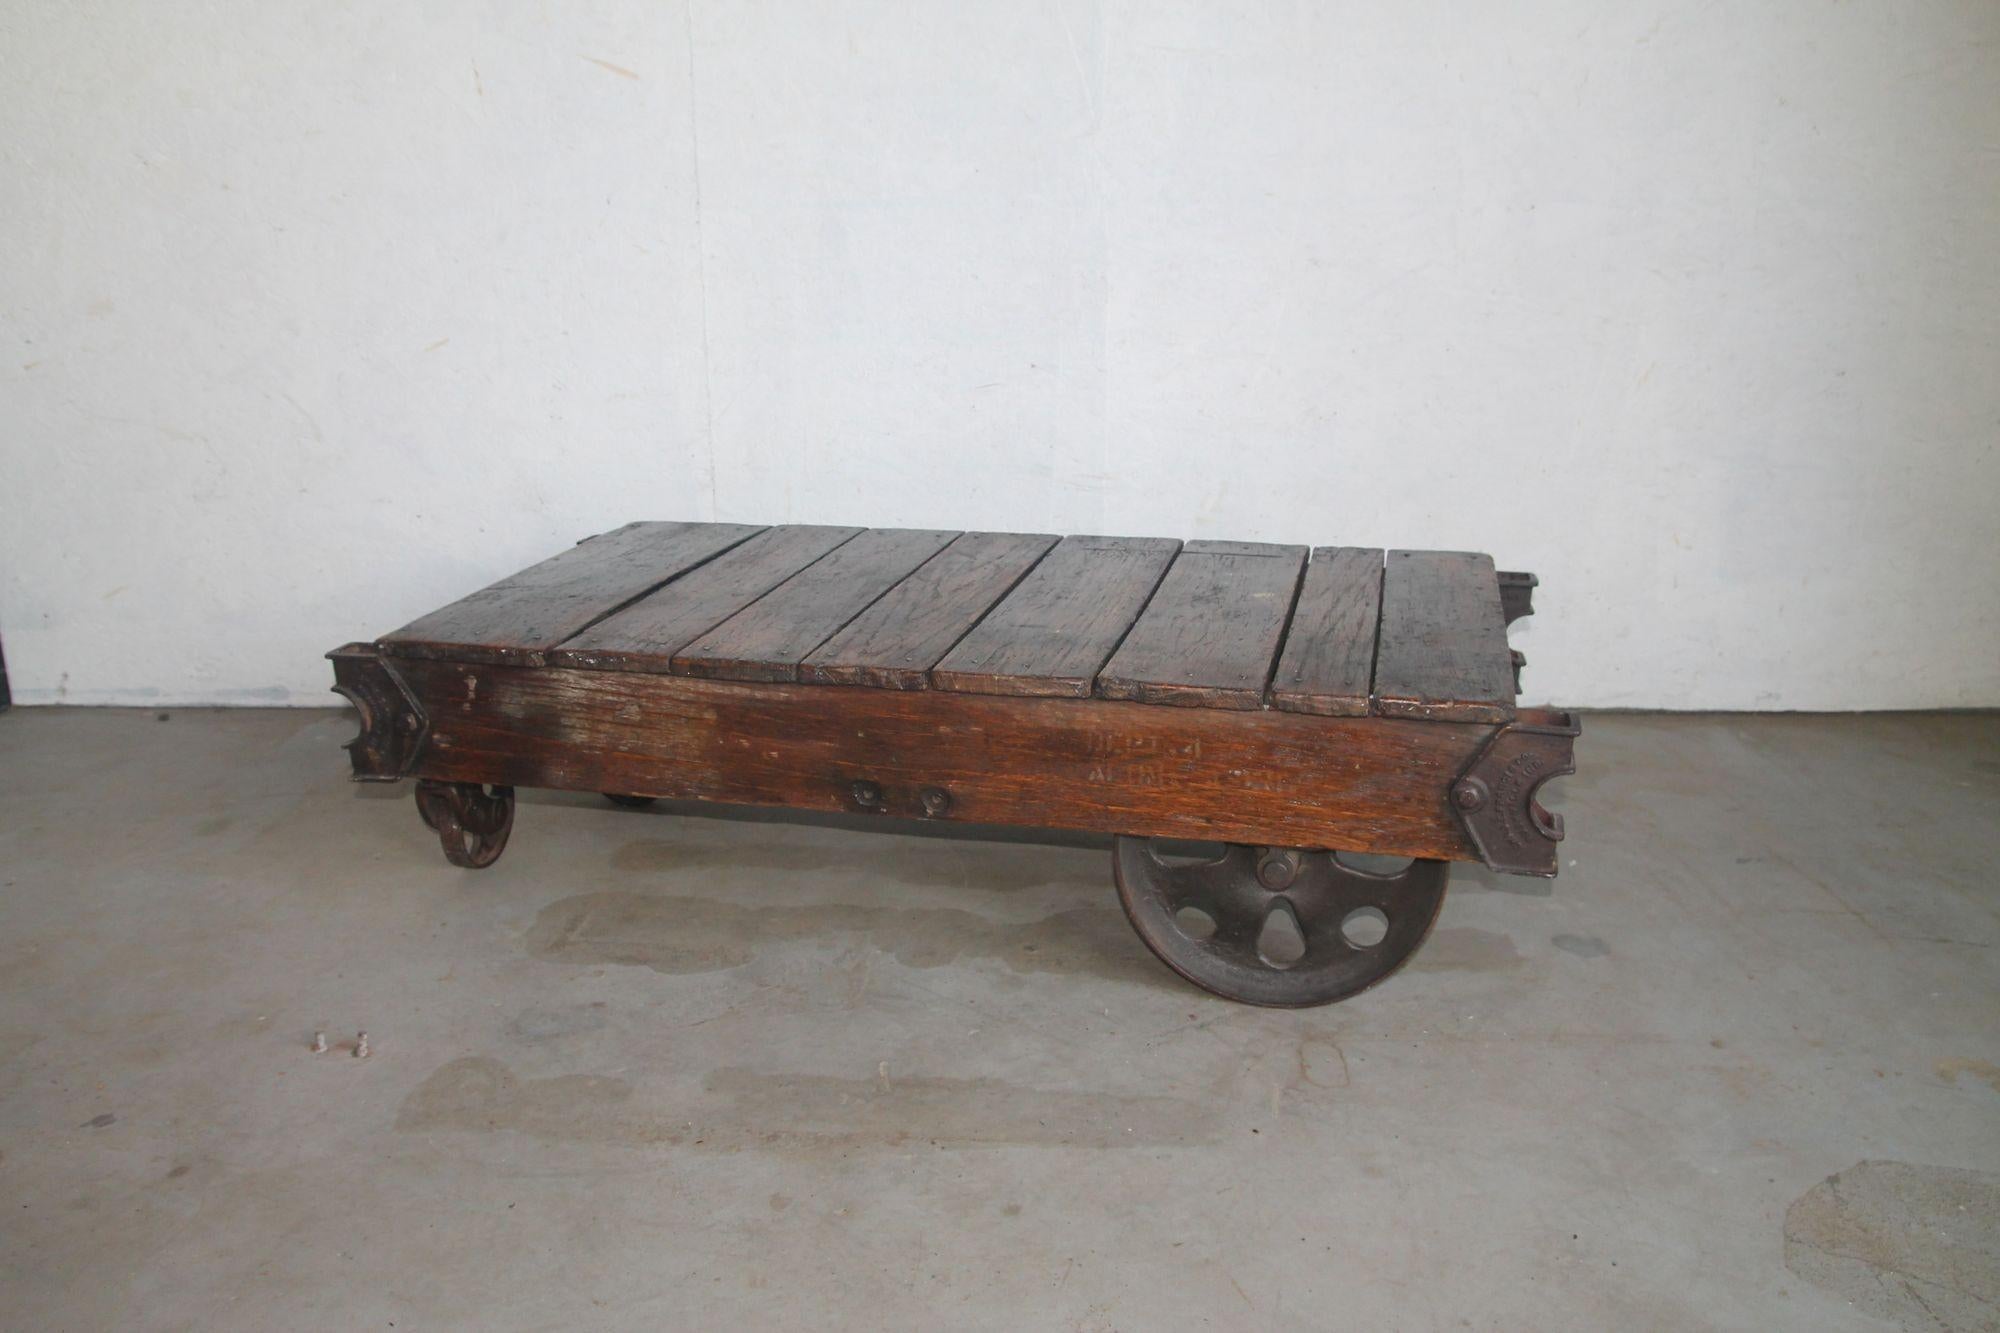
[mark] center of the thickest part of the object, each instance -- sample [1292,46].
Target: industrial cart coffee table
[1299,714]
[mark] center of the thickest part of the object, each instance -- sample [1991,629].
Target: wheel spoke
[1327,891]
[1224,889]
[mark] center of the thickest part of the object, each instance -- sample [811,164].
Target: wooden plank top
[1208,637]
[768,639]
[895,643]
[646,635]
[521,616]
[1442,648]
[1329,659]
[1051,634]
[1229,625]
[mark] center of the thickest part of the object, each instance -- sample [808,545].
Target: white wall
[318,315]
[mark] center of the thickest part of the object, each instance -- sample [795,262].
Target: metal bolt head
[937,801]
[1469,794]
[867,793]
[1277,868]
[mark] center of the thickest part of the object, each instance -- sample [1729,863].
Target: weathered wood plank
[1209,637]
[524,614]
[1442,651]
[895,642]
[1285,779]
[1329,658]
[646,635]
[768,639]
[1051,634]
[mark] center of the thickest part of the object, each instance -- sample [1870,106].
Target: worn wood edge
[478,654]
[608,659]
[1098,541]
[1440,710]
[1019,687]
[1246,550]
[1320,705]
[719,668]
[871,677]
[1171,695]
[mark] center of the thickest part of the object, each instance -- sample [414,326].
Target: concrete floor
[1738,1068]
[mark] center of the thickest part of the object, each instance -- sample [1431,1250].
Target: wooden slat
[768,639]
[1051,634]
[895,642]
[523,615]
[1329,657]
[1442,652]
[646,635]
[1209,636]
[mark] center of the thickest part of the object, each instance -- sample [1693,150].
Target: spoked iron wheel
[1274,925]
[471,821]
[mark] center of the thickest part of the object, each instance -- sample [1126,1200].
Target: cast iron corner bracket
[1517,594]
[393,725]
[1495,798]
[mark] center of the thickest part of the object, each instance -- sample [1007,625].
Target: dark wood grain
[646,635]
[1442,651]
[894,643]
[1329,658]
[768,639]
[525,614]
[1051,634]
[1285,779]
[1209,637]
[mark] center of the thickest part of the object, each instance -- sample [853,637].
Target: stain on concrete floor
[953,1112]
[553,1023]
[907,862]
[1466,949]
[752,1109]
[1583,946]
[1918,1245]
[1985,1071]
[681,935]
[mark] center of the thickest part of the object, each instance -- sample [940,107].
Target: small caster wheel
[625,802]
[472,822]
[1274,925]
